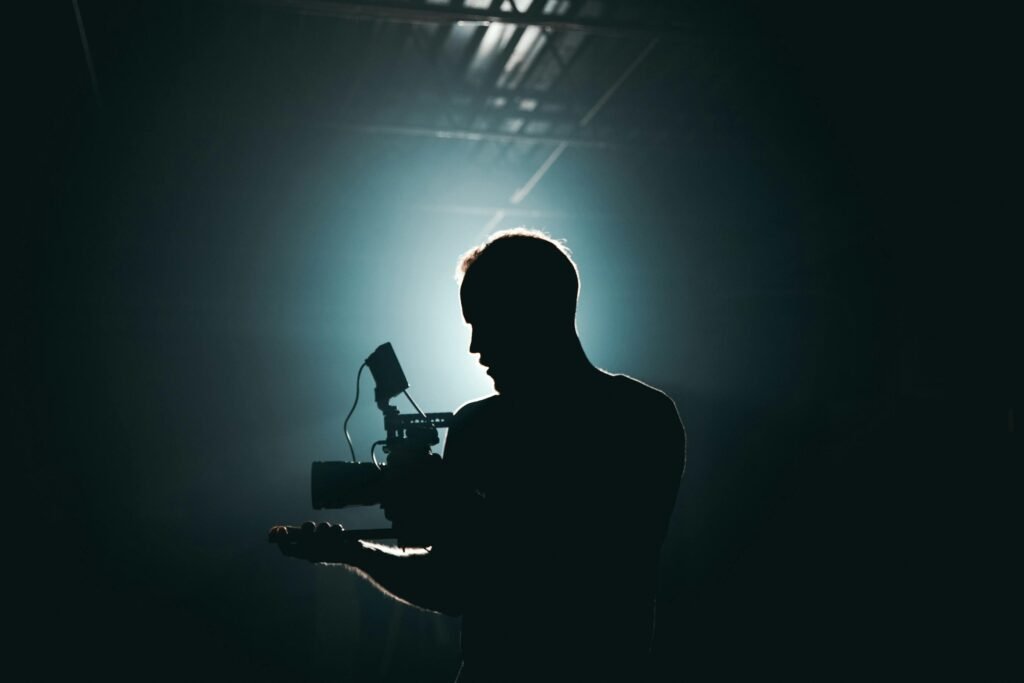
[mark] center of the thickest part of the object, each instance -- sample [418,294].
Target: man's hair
[526,267]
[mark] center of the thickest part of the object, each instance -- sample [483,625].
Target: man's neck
[564,367]
[571,359]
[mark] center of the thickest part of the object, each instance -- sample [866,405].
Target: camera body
[337,484]
[409,438]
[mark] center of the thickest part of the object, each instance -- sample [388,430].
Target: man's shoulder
[473,421]
[477,410]
[637,392]
[620,391]
[655,409]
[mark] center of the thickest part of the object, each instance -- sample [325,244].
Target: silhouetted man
[557,490]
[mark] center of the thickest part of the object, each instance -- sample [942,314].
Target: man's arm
[670,447]
[434,578]
[420,577]
[425,578]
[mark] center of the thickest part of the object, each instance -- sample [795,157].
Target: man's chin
[499,384]
[504,386]
[509,380]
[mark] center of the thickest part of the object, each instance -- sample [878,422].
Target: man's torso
[577,485]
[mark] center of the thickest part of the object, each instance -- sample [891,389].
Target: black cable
[373,456]
[348,438]
[414,404]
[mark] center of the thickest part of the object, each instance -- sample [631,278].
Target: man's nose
[474,342]
[481,343]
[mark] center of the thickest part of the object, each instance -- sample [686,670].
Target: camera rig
[407,443]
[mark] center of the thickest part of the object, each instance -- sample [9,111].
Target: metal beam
[88,54]
[440,133]
[520,194]
[486,136]
[388,10]
[667,215]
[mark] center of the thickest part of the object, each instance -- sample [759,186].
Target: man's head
[519,292]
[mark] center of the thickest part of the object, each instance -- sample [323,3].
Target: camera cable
[348,437]
[422,414]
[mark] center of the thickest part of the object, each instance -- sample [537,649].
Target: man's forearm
[423,578]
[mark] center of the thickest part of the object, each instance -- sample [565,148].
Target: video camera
[409,438]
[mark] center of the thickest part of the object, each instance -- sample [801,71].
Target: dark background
[809,251]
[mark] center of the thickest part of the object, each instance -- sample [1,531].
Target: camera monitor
[387,374]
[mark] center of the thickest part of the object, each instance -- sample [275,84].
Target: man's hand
[417,497]
[323,542]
